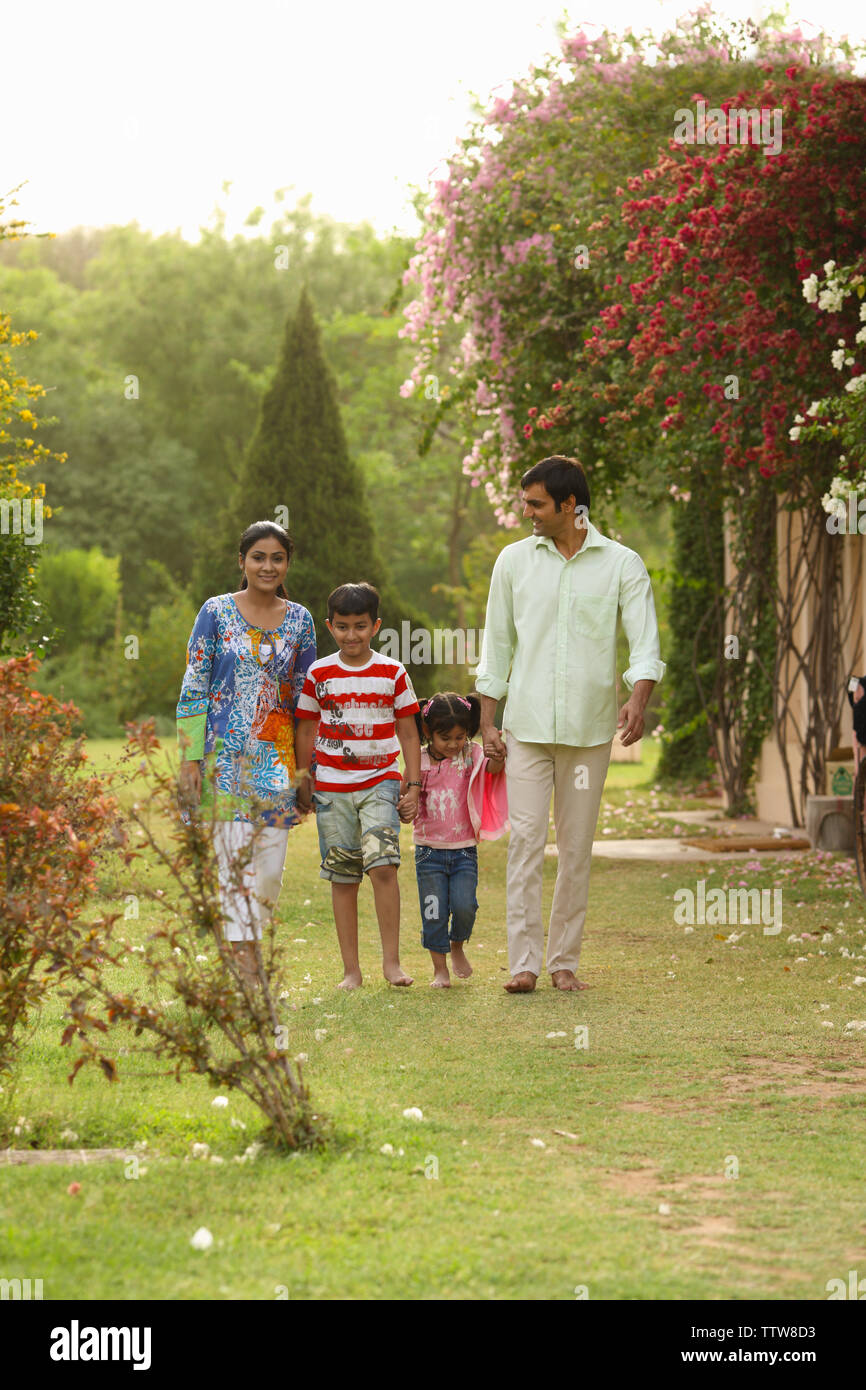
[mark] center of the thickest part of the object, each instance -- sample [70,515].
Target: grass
[704,1057]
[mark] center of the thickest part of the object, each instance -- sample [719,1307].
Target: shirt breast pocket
[594,616]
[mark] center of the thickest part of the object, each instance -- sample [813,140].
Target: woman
[246,661]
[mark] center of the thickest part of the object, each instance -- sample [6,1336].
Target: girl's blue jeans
[447,879]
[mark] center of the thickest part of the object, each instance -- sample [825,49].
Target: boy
[367,709]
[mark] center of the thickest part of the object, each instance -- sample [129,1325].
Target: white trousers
[245,917]
[575,777]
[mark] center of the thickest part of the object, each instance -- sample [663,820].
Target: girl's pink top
[460,802]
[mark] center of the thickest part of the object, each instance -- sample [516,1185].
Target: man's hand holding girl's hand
[492,742]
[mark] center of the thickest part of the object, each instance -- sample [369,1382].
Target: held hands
[631,715]
[304,795]
[407,806]
[492,742]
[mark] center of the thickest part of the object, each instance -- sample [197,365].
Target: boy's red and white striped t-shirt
[356,743]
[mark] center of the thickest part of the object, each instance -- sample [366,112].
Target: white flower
[220,1102]
[664,1209]
[831,300]
[825,1023]
[556,1035]
[810,289]
[859,980]
[861,336]
[299,941]
[687,930]
[387,1149]
[794,433]
[538,1143]
[413,1113]
[856,1025]
[237,1124]
[307,902]
[302,1057]
[200,1150]
[798,420]
[829,267]
[252,1151]
[214,1158]
[318,1001]
[72,1138]
[856,384]
[201,960]
[863,312]
[320,1033]
[837,358]
[202,1240]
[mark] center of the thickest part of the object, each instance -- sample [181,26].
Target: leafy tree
[79,590]
[21,499]
[298,461]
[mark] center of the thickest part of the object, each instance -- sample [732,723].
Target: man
[550,645]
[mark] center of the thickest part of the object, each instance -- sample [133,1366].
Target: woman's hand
[189,789]
[304,796]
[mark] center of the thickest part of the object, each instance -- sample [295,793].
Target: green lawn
[704,1057]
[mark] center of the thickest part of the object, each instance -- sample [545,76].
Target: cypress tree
[298,459]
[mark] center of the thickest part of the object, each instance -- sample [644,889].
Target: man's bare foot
[567,980]
[441,979]
[351,980]
[522,983]
[396,975]
[459,963]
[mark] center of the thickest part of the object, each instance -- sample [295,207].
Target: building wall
[771,788]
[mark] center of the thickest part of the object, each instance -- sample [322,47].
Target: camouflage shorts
[358,830]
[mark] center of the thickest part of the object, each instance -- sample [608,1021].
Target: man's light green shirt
[550,637]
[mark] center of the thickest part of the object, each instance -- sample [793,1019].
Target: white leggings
[263,876]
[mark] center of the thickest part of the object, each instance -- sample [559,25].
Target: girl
[462,801]
[247,659]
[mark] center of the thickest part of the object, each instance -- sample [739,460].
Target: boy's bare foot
[459,963]
[522,983]
[351,980]
[566,979]
[441,979]
[396,975]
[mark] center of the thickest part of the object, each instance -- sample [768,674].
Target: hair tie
[426,708]
[464,701]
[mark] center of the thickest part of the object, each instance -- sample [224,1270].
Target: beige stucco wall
[771,791]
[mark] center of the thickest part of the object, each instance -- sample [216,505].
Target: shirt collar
[594,537]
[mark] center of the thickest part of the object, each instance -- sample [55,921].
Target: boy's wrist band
[414,784]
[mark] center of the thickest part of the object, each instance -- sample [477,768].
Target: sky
[123,112]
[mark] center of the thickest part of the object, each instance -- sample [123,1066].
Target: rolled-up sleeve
[640,623]
[500,637]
